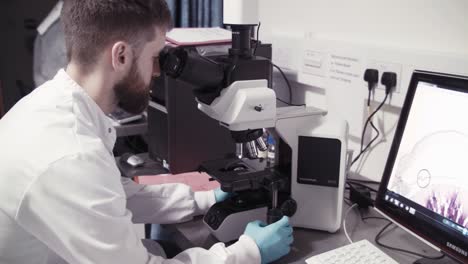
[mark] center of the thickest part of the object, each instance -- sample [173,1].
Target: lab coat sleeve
[243,251]
[77,208]
[165,203]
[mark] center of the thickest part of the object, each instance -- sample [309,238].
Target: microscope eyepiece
[172,61]
[189,66]
[241,41]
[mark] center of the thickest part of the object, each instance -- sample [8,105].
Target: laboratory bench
[308,243]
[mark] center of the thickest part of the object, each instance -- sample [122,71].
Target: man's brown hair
[91,25]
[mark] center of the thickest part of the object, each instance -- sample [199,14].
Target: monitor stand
[445,260]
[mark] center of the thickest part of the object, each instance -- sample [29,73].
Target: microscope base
[232,226]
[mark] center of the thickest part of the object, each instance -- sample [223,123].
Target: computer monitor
[424,187]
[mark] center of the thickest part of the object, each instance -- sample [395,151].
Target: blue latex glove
[274,240]
[220,195]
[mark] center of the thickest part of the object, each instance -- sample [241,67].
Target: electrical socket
[382,67]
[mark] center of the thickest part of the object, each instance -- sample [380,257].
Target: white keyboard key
[362,252]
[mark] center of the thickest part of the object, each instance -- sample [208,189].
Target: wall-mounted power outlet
[382,67]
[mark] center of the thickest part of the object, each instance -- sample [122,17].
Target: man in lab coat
[60,190]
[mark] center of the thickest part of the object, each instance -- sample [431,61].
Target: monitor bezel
[438,238]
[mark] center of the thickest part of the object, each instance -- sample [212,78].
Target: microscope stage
[238,174]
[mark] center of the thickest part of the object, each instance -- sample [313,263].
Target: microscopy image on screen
[434,175]
[431,166]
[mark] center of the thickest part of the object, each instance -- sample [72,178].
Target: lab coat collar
[90,110]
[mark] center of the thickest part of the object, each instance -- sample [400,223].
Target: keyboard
[362,252]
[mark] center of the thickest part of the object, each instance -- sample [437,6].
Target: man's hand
[220,195]
[274,240]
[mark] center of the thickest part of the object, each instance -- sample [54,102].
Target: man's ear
[121,56]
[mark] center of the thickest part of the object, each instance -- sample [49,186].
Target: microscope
[306,181]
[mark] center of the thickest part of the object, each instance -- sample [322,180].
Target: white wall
[440,25]
[419,34]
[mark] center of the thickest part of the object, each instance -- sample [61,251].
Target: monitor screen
[425,183]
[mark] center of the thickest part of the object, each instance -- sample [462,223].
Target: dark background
[18,22]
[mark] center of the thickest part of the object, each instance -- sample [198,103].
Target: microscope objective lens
[252,149]
[261,144]
[239,150]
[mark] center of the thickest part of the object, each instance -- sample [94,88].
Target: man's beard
[131,92]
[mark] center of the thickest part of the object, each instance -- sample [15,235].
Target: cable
[368,98]
[389,80]
[347,202]
[375,129]
[279,69]
[289,103]
[289,88]
[287,83]
[286,80]
[258,33]
[364,150]
[369,119]
[372,123]
[364,131]
[344,222]
[377,241]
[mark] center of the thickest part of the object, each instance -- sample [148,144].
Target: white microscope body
[307,181]
[252,105]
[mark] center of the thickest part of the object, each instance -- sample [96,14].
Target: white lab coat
[61,191]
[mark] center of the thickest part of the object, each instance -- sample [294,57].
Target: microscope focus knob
[289,207]
[211,219]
